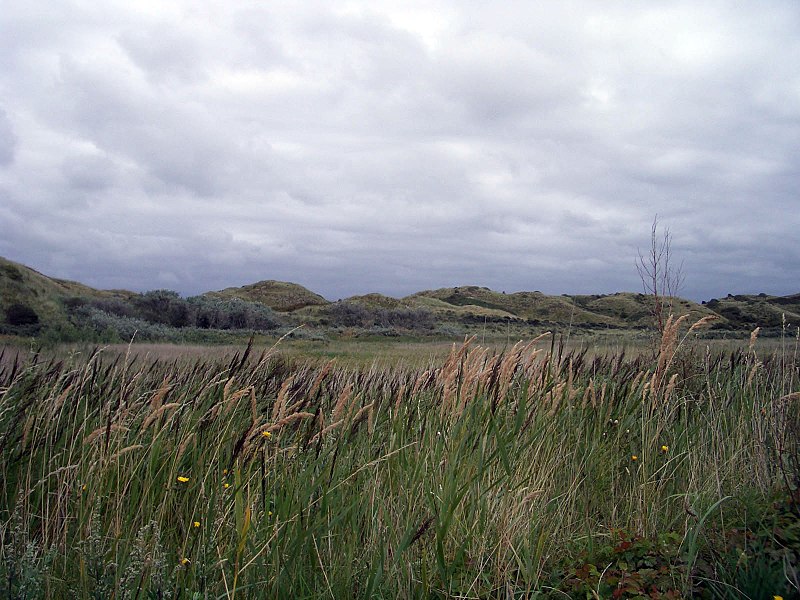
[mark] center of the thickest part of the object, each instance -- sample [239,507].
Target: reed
[491,475]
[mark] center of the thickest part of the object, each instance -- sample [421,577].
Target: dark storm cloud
[399,146]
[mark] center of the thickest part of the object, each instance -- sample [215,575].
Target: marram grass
[490,476]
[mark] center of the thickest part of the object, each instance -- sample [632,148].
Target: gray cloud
[399,146]
[8,140]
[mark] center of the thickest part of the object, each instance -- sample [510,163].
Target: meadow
[533,470]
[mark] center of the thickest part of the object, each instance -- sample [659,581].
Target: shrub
[115,306]
[164,313]
[630,566]
[162,306]
[348,314]
[20,315]
[215,313]
[112,327]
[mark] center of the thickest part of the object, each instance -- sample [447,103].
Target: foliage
[161,306]
[21,314]
[347,314]
[756,561]
[213,313]
[161,315]
[635,567]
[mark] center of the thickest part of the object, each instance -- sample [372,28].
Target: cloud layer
[396,146]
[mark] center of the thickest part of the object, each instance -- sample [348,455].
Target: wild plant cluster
[350,314]
[532,472]
[163,315]
[153,314]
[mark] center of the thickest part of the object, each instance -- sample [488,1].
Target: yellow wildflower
[634,458]
[185,561]
[266,434]
[226,485]
[777,598]
[196,524]
[182,479]
[665,448]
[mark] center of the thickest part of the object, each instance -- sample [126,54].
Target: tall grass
[487,476]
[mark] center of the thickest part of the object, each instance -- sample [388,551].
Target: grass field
[535,470]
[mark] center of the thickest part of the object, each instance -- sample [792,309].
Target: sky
[392,147]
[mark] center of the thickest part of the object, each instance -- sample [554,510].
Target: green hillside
[530,306]
[747,311]
[31,302]
[449,311]
[278,295]
[378,301]
[634,310]
[21,286]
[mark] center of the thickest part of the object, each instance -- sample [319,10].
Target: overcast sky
[399,146]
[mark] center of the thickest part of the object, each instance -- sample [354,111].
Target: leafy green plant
[25,565]
[758,561]
[21,315]
[630,566]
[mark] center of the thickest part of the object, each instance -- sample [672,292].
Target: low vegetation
[157,314]
[53,311]
[530,472]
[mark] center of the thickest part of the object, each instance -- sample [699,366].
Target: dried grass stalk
[289,419]
[184,445]
[702,323]
[153,417]
[124,451]
[341,403]
[280,402]
[158,398]
[320,376]
[753,338]
[102,429]
[59,402]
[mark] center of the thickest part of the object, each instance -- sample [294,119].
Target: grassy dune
[533,472]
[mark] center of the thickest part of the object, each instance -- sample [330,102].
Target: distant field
[408,350]
[404,469]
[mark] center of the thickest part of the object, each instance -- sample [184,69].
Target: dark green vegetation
[32,304]
[532,472]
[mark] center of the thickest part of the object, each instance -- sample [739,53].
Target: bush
[162,306]
[115,328]
[234,313]
[21,315]
[161,314]
[115,306]
[348,314]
